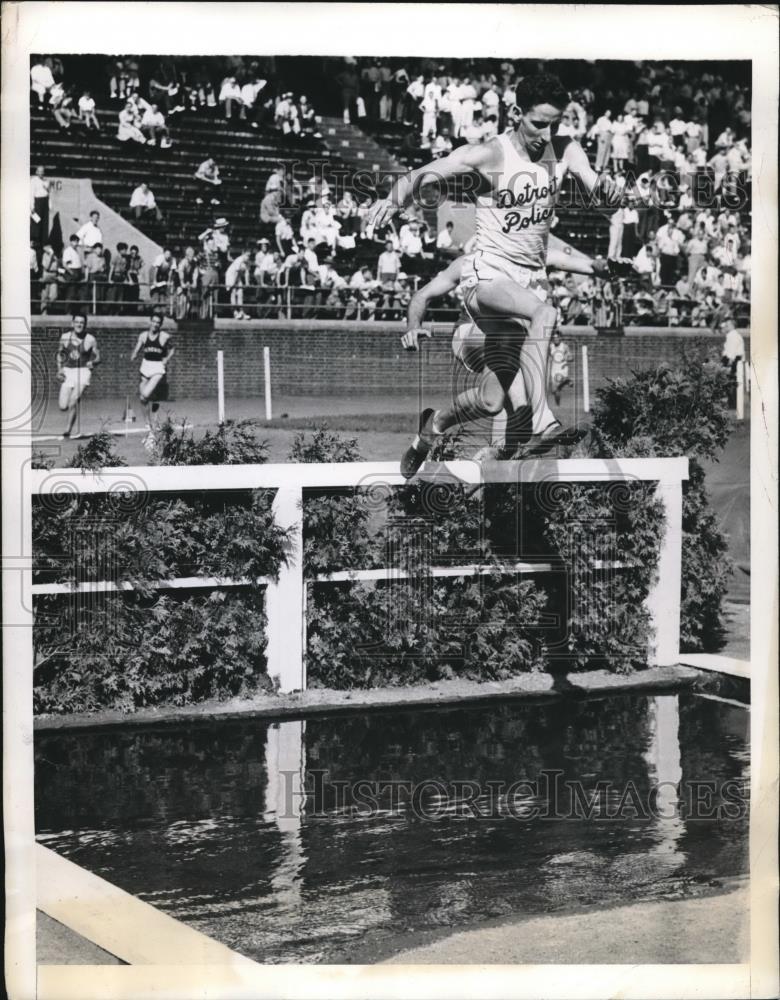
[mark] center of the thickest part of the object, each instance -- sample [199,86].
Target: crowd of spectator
[691,253]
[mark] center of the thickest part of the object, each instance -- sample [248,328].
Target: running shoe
[415,455]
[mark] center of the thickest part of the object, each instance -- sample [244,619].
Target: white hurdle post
[220,387]
[284,598]
[585,380]
[663,601]
[267,381]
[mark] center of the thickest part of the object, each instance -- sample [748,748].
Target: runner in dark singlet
[157,350]
[77,353]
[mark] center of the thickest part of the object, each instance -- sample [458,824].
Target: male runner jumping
[521,173]
[77,354]
[157,353]
[502,360]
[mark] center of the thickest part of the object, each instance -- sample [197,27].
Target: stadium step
[357,149]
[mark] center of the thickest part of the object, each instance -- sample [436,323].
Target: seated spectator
[442,144]
[265,269]
[41,81]
[286,115]
[252,106]
[153,126]
[163,91]
[207,176]
[87,111]
[64,111]
[276,180]
[124,79]
[230,96]
[326,224]
[144,204]
[271,208]
[307,117]
[129,124]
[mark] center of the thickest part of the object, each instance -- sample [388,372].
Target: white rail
[286,596]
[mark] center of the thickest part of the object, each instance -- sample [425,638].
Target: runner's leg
[501,297]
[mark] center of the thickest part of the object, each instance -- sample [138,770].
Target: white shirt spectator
[677,126]
[733,346]
[693,130]
[71,259]
[659,145]
[444,240]
[41,79]
[39,187]
[89,235]
[152,119]
[388,263]
[311,260]
[86,104]
[142,199]
[669,239]
[411,243]
[229,89]
[644,263]
[236,273]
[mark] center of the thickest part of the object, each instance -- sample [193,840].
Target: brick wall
[326,358]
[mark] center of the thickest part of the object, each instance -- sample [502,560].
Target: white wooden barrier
[285,603]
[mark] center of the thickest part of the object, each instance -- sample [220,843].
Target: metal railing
[254,301]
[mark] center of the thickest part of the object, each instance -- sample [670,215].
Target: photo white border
[516,31]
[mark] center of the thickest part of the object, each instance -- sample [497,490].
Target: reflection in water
[291,841]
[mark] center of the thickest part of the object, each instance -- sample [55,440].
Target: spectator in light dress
[154,127]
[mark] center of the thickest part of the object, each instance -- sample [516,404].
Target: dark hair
[121,246]
[156,314]
[80,315]
[544,88]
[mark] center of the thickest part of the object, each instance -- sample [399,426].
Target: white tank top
[514,220]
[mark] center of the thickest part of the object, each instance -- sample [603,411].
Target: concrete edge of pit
[322,701]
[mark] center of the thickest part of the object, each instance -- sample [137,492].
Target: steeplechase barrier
[286,595]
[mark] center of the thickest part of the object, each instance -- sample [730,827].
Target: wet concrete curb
[320,701]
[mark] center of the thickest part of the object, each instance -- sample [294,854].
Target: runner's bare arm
[95,360]
[138,345]
[577,162]
[444,282]
[464,160]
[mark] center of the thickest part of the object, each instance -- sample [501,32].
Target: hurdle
[286,595]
